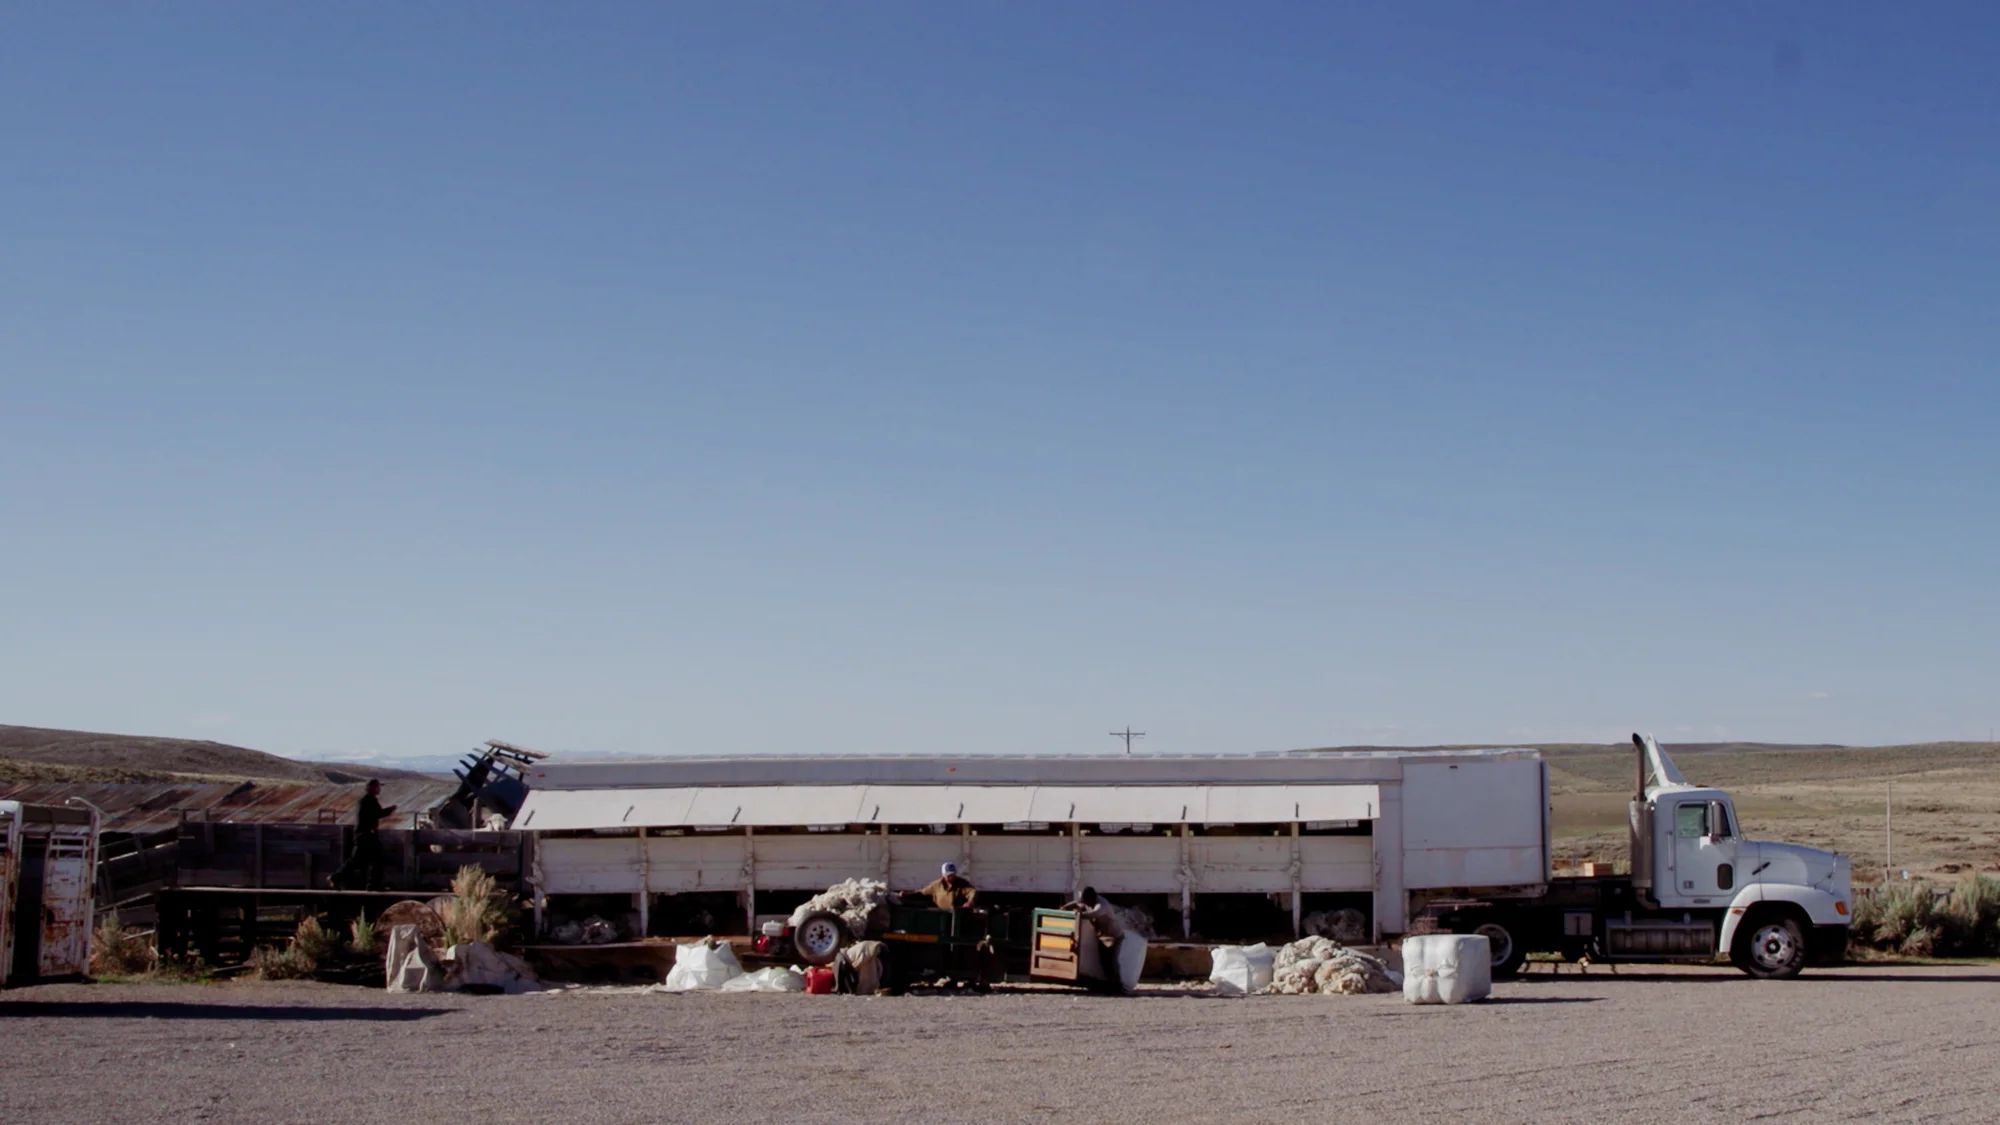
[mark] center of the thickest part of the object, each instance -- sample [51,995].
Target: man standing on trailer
[367,856]
[950,890]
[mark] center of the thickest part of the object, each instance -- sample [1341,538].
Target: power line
[1128,734]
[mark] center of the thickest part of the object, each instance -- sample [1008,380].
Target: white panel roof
[946,804]
[770,806]
[1269,804]
[1121,804]
[555,810]
[762,806]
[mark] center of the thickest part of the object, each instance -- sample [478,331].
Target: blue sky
[750,378]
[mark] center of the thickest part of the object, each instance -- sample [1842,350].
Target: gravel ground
[1894,1043]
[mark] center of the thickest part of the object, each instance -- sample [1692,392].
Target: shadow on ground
[173,1010]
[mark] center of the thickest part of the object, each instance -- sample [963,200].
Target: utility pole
[1128,734]
[1888,836]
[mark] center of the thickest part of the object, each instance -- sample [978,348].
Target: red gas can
[819,979]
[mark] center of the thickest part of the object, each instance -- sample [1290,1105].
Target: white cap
[951,869]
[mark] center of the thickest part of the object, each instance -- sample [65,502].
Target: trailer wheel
[1508,952]
[1769,947]
[818,937]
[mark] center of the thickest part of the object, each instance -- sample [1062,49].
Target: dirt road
[1895,1044]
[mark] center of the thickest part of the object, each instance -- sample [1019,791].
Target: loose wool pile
[1318,964]
[863,905]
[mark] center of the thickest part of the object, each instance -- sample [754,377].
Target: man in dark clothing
[367,856]
[1126,950]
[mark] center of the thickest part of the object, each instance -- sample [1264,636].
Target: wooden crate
[1052,952]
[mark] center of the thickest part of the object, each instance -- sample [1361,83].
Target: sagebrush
[312,946]
[1919,920]
[118,952]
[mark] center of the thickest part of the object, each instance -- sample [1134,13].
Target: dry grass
[118,952]
[312,946]
[1946,801]
[478,909]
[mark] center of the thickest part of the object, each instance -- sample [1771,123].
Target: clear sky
[985,378]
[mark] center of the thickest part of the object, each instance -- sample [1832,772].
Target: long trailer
[1236,846]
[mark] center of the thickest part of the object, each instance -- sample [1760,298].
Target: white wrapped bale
[1447,968]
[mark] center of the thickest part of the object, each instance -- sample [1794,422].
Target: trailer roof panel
[946,804]
[772,806]
[767,806]
[1238,769]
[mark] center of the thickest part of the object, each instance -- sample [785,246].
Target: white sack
[767,980]
[1447,968]
[701,967]
[409,965]
[1238,970]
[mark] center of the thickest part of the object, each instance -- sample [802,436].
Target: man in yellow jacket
[950,890]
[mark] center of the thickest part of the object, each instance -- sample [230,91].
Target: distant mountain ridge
[45,754]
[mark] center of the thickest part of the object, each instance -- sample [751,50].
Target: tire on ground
[1769,945]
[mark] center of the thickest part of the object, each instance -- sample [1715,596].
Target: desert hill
[42,754]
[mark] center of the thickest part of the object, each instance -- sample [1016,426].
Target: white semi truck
[1697,890]
[1243,846]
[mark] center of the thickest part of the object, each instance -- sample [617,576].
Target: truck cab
[1774,905]
[1698,889]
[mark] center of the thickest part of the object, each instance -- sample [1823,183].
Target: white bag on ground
[700,967]
[409,965]
[1239,970]
[767,980]
[1447,968]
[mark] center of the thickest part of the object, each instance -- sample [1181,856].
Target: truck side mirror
[1718,821]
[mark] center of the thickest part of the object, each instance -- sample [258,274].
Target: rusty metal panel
[10,880]
[68,880]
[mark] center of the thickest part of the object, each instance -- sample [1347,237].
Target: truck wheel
[818,937]
[1770,947]
[1508,952]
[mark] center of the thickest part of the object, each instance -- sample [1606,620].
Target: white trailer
[1409,839]
[1375,832]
